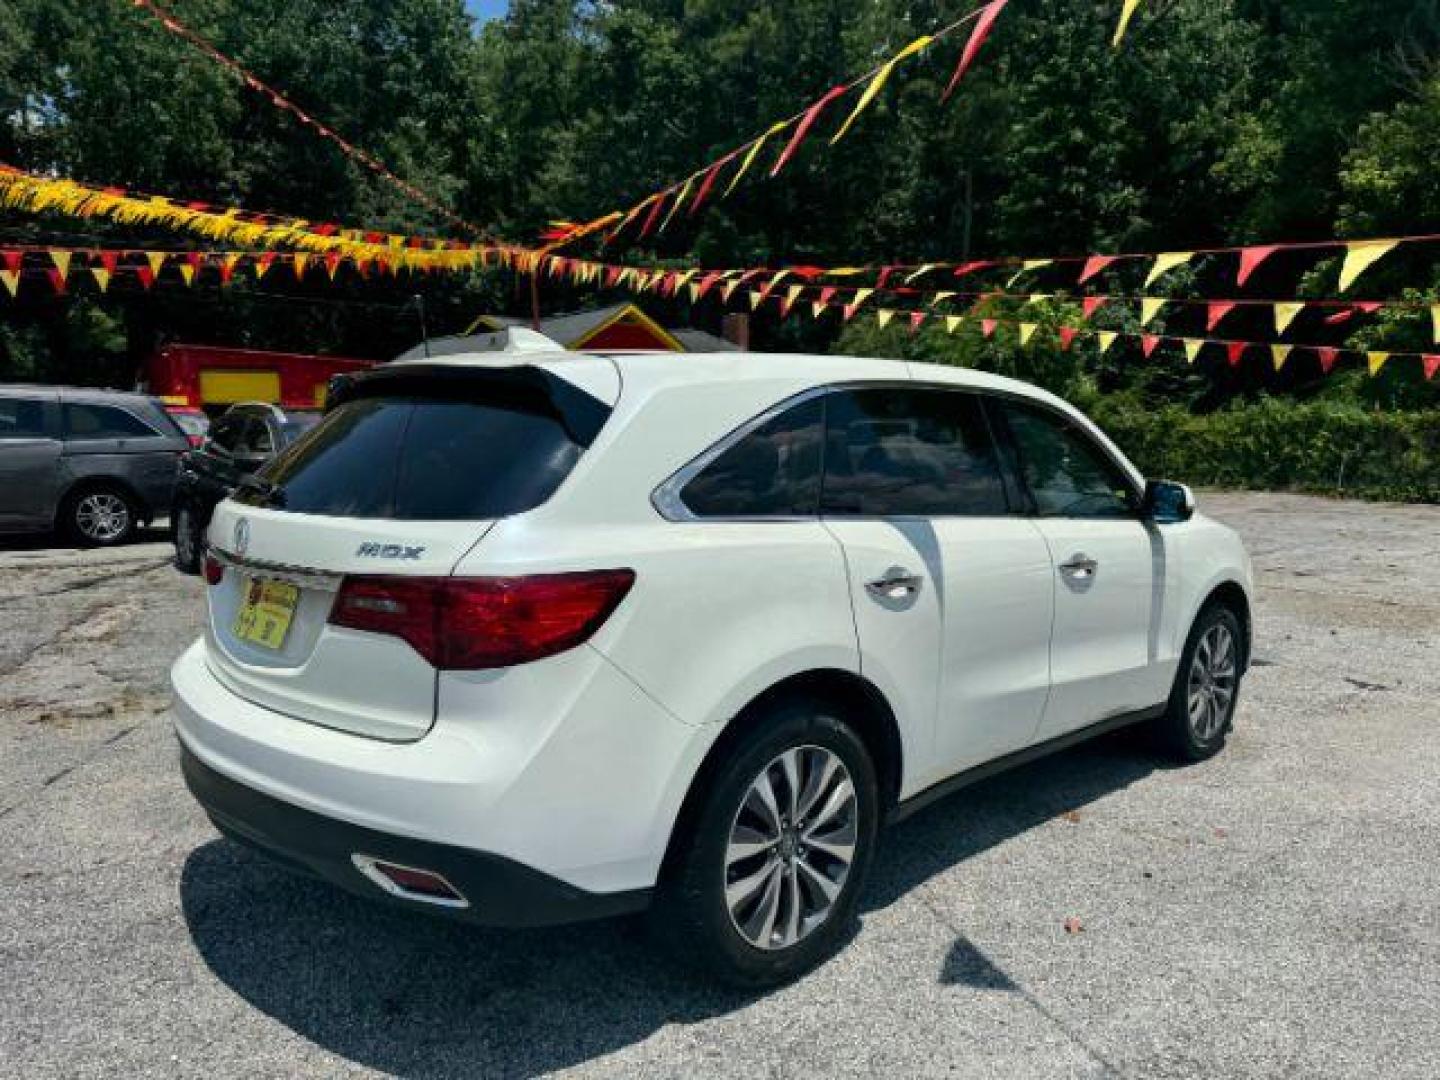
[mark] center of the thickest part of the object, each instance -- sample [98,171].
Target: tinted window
[191,423]
[424,460]
[1068,475]
[296,424]
[773,471]
[21,419]
[84,420]
[227,431]
[910,452]
[256,438]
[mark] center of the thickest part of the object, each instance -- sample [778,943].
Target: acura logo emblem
[242,536]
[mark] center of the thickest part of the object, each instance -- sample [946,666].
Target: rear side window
[465,456]
[910,453]
[772,471]
[21,419]
[85,420]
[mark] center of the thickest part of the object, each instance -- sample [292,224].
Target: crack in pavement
[88,583]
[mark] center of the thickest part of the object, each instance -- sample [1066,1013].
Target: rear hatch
[406,473]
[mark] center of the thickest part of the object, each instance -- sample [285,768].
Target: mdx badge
[389,551]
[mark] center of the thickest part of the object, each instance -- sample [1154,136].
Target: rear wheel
[189,538]
[99,517]
[766,883]
[1202,702]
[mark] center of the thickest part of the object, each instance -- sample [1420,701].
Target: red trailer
[211,377]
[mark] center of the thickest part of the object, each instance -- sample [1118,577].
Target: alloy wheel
[791,847]
[102,516]
[1211,687]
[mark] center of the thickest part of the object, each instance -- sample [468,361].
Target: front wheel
[766,884]
[1202,702]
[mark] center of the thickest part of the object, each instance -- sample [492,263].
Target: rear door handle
[894,583]
[1079,567]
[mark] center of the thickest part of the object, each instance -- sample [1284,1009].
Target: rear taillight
[213,569]
[464,624]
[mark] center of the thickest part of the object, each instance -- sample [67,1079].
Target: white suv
[531,638]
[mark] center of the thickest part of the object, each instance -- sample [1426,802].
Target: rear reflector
[213,569]
[466,624]
[409,881]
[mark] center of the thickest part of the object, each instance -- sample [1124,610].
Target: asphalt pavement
[1275,911]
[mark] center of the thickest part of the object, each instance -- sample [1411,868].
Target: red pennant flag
[748,274]
[1094,265]
[1067,337]
[1148,343]
[332,263]
[1093,304]
[1251,258]
[654,215]
[1218,310]
[987,327]
[57,279]
[972,47]
[885,273]
[848,311]
[826,293]
[916,318]
[709,182]
[1235,350]
[12,259]
[109,260]
[227,271]
[803,128]
[1431,362]
[1369,307]
[1344,315]
[146,276]
[1327,358]
[971,267]
[706,283]
[612,275]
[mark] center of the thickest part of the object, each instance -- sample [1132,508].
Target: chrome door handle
[1079,567]
[895,583]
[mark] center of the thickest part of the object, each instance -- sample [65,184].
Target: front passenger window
[1068,475]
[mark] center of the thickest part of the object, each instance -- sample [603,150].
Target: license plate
[266,612]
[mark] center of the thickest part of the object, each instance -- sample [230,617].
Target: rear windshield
[455,452]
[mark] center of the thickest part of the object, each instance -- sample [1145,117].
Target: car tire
[188,535]
[1201,709]
[756,895]
[101,515]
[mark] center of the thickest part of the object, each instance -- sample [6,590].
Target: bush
[1275,444]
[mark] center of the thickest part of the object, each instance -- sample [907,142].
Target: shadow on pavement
[51,542]
[421,997]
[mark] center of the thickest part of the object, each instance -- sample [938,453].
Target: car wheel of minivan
[99,516]
[189,538]
[765,883]
[1198,716]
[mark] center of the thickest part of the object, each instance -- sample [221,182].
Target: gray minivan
[93,464]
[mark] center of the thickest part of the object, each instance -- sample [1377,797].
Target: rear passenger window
[772,471]
[910,452]
[21,419]
[85,420]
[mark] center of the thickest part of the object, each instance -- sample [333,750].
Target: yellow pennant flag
[920,273]
[298,264]
[861,295]
[1107,339]
[727,289]
[1435,323]
[11,278]
[101,276]
[685,277]
[1126,14]
[877,83]
[1279,353]
[845,271]
[1166,262]
[156,259]
[756,299]
[694,293]
[1285,315]
[1377,361]
[941,297]
[1026,267]
[793,294]
[1360,257]
[817,307]
[61,259]
[1192,348]
[883,317]
[1027,331]
[753,153]
[187,271]
[1150,307]
[953,322]
[1038,298]
[679,199]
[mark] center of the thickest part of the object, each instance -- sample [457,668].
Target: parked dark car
[92,464]
[238,443]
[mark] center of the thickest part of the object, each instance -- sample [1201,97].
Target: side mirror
[1168,503]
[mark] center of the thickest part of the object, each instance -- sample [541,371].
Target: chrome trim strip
[319,580]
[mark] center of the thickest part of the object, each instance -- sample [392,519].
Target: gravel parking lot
[1275,911]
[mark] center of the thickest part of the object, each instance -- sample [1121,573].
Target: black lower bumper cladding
[499,891]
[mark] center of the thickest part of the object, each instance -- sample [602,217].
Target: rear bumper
[497,891]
